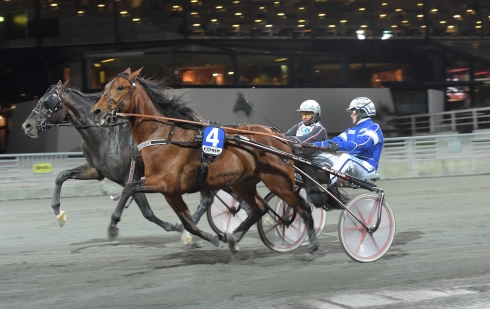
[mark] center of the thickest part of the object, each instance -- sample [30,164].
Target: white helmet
[310,106]
[364,105]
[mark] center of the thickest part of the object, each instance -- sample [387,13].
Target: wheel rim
[275,233]
[359,244]
[221,218]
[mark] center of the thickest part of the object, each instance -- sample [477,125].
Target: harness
[205,139]
[50,104]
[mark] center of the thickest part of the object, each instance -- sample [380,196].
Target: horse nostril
[96,112]
[26,125]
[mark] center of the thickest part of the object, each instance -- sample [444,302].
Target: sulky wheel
[224,215]
[358,243]
[281,229]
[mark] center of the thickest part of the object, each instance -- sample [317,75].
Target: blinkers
[49,103]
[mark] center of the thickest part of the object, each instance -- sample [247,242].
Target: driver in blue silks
[362,143]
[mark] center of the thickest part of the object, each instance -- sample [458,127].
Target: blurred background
[425,56]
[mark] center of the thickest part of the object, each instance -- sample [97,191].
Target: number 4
[213,137]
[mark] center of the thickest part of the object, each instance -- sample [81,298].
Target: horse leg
[242,203]
[309,224]
[180,208]
[249,194]
[83,172]
[142,201]
[279,185]
[148,213]
[129,190]
[205,202]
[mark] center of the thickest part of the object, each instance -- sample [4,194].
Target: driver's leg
[353,166]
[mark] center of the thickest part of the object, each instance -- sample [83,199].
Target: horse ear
[135,74]
[65,85]
[128,70]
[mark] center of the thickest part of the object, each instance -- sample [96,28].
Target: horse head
[49,110]
[115,95]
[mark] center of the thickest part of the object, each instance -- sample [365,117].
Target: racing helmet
[310,106]
[364,107]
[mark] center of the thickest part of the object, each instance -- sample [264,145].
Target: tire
[357,243]
[281,234]
[223,217]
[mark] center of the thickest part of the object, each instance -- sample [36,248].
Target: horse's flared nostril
[26,126]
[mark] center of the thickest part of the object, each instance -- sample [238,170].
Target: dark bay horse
[173,158]
[109,151]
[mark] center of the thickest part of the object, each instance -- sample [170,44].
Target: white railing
[463,120]
[400,150]
[36,167]
[436,147]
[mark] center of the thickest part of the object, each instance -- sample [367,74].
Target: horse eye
[120,87]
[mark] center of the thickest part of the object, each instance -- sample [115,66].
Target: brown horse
[174,161]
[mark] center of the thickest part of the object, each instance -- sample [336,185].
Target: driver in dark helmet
[362,142]
[310,129]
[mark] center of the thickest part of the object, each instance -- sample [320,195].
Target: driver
[362,142]
[310,129]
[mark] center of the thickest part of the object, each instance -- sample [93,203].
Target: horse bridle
[49,104]
[119,105]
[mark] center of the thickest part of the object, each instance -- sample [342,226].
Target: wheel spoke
[224,212]
[357,242]
[361,240]
[227,224]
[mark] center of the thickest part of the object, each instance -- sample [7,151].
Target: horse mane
[170,106]
[92,96]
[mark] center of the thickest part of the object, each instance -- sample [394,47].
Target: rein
[201,124]
[67,124]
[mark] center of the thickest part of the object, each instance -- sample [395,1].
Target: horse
[166,134]
[61,104]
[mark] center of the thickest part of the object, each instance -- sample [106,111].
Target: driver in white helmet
[362,142]
[310,129]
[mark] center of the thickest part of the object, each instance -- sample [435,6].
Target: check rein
[199,123]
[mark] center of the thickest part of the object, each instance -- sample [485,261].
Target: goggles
[306,114]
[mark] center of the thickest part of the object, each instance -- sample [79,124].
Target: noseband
[49,104]
[119,105]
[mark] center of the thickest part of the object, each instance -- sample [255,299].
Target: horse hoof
[215,240]
[186,238]
[61,218]
[112,233]
[198,244]
[232,244]
[195,245]
[308,257]
[179,227]
[313,247]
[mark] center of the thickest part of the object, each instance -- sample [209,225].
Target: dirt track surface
[439,258]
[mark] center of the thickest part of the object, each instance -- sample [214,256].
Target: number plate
[213,140]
